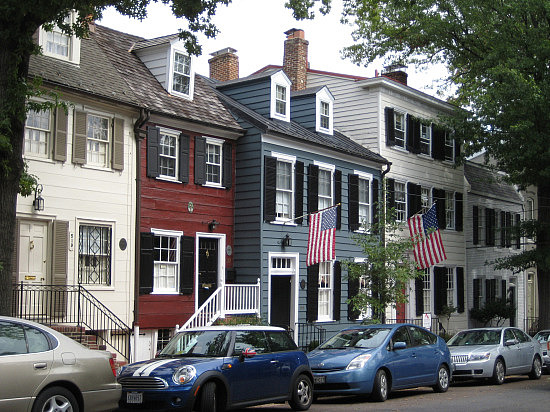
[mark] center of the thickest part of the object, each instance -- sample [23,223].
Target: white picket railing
[229,300]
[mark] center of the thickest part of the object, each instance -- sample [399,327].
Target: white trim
[165,232]
[285,157]
[177,47]
[74,43]
[326,166]
[221,261]
[324,96]
[280,79]
[100,223]
[363,175]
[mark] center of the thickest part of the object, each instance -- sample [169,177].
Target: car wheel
[536,370]
[380,389]
[499,371]
[55,399]
[302,394]
[442,380]
[209,400]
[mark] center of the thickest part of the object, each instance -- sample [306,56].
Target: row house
[292,162]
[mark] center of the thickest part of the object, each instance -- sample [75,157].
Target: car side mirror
[247,353]
[511,342]
[399,345]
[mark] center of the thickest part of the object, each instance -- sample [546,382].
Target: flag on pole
[321,241]
[428,248]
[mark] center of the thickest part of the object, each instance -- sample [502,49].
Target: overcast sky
[255,28]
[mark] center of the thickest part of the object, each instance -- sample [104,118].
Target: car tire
[381,387]
[209,400]
[302,394]
[55,398]
[499,372]
[442,383]
[536,370]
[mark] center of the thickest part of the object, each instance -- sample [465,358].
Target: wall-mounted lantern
[38,202]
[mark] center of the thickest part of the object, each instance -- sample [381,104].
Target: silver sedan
[494,353]
[43,370]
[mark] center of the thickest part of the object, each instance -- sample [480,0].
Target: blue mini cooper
[217,368]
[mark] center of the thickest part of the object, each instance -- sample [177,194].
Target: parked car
[543,337]
[44,370]
[218,368]
[494,353]
[377,359]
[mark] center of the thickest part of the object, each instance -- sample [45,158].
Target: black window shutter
[227,172]
[503,290]
[390,126]
[375,205]
[476,290]
[419,295]
[200,160]
[438,143]
[439,198]
[338,197]
[502,229]
[184,158]
[299,192]
[413,134]
[312,292]
[457,149]
[153,136]
[312,188]
[390,196]
[440,288]
[270,187]
[187,265]
[459,212]
[489,227]
[414,201]
[460,289]
[518,231]
[508,229]
[146,262]
[353,290]
[475,225]
[353,202]
[337,291]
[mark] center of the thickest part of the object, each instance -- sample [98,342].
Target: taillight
[113,367]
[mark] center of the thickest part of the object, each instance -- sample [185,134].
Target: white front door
[33,252]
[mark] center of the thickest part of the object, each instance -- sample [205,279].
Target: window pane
[325,189]
[399,127]
[364,202]
[94,255]
[427,291]
[166,267]
[450,287]
[181,77]
[325,291]
[400,201]
[98,140]
[37,132]
[213,163]
[325,115]
[280,100]
[425,138]
[450,209]
[284,196]
[167,154]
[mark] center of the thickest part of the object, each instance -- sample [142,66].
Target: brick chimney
[295,62]
[396,72]
[224,65]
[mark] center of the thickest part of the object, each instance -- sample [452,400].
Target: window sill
[98,288]
[325,321]
[168,179]
[213,185]
[38,158]
[398,148]
[283,223]
[164,293]
[95,167]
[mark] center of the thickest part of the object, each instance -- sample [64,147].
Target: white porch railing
[229,300]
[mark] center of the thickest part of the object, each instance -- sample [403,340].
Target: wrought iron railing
[310,336]
[72,305]
[435,326]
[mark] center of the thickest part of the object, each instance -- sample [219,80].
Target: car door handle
[274,361]
[40,365]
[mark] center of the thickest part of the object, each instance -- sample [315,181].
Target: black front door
[280,301]
[208,268]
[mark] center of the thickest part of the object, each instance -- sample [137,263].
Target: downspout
[144,115]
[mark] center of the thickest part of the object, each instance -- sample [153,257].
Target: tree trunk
[543,251]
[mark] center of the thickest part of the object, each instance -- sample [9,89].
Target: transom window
[181,78]
[97,132]
[400,201]
[325,115]
[167,155]
[281,263]
[425,138]
[325,291]
[427,291]
[399,127]
[285,194]
[94,255]
[450,287]
[166,258]
[214,163]
[450,209]
[37,132]
[364,202]
[325,189]
[280,100]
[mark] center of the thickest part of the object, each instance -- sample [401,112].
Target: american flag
[428,248]
[321,242]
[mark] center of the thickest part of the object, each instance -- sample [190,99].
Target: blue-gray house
[292,162]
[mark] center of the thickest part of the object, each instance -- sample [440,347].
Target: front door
[280,301]
[208,268]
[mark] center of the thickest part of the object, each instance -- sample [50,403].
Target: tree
[496,53]
[386,274]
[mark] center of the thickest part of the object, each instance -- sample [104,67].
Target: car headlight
[184,374]
[359,361]
[480,356]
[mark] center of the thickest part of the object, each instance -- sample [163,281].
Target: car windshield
[198,343]
[542,336]
[357,338]
[475,337]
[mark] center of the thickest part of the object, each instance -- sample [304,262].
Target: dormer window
[324,113]
[181,81]
[280,97]
[280,100]
[56,43]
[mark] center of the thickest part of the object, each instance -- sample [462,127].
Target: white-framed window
[449,147]
[280,99]
[427,291]
[166,257]
[400,128]
[280,96]
[450,209]
[364,202]
[450,287]
[425,138]
[94,254]
[214,162]
[98,140]
[38,131]
[284,202]
[56,43]
[530,210]
[181,74]
[280,264]
[325,189]
[400,190]
[325,115]
[325,291]
[426,197]
[168,154]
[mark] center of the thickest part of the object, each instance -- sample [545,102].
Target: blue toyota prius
[377,359]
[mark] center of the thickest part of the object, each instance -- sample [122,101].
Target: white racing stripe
[146,370]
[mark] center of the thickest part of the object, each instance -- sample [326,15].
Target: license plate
[134,397]
[319,379]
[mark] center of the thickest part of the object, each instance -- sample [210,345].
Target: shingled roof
[486,182]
